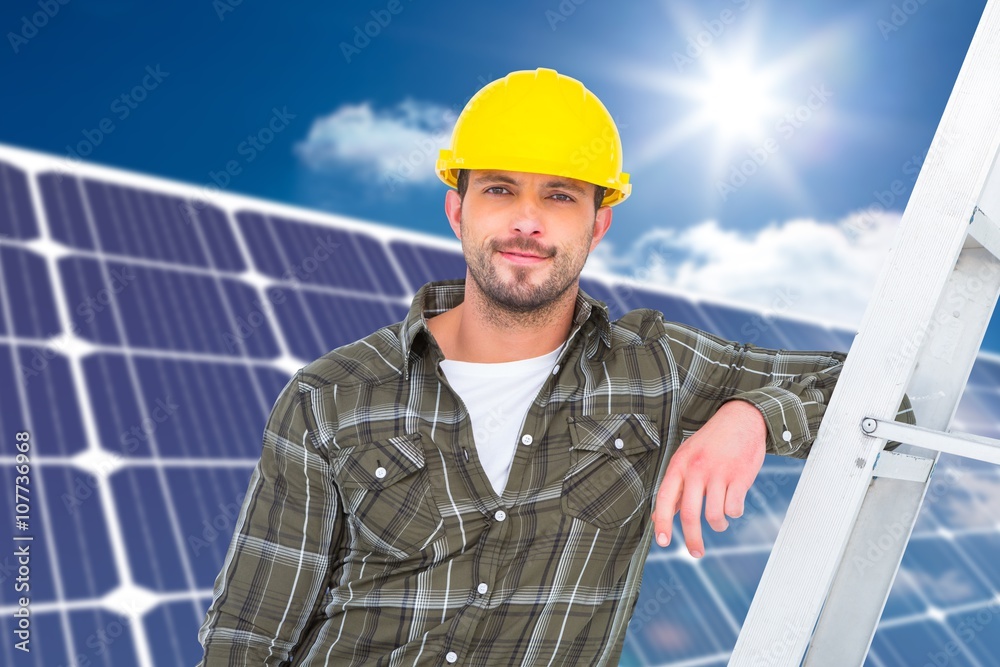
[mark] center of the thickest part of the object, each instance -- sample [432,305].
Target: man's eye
[565,197]
[490,190]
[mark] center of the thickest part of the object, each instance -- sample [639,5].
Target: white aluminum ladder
[920,334]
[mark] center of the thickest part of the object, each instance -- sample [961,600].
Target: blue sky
[841,97]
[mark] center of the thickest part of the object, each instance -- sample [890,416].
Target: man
[474,484]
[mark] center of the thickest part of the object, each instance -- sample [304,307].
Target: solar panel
[145,335]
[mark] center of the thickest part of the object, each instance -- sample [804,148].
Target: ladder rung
[906,467]
[961,444]
[985,231]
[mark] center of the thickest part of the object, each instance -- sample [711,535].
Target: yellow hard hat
[541,122]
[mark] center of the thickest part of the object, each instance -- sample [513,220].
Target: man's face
[526,237]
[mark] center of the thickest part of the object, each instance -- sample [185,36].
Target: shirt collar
[438,296]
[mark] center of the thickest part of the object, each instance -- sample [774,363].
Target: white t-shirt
[498,397]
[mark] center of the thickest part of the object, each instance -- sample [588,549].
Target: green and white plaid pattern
[370,534]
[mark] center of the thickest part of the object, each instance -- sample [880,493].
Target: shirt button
[482,588]
[786,436]
[451,657]
[556,369]
[380,472]
[619,443]
[526,439]
[500,515]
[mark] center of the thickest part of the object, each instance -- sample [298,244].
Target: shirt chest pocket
[613,462]
[387,493]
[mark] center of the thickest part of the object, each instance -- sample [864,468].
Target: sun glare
[735,101]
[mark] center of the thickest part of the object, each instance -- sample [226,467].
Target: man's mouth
[520,257]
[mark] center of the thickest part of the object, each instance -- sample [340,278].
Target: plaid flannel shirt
[370,534]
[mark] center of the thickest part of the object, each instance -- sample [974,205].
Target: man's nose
[528,216]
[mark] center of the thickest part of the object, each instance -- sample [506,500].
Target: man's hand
[719,462]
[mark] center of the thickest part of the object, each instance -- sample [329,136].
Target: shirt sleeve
[790,388]
[279,560]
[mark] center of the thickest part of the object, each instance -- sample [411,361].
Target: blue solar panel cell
[139,223]
[318,255]
[143,510]
[47,643]
[917,644]
[315,323]
[981,549]
[765,505]
[271,382]
[208,502]
[735,578]
[89,297]
[744,326]
[173,310]
[976,633]
[115,403]
[601,292]
[802,336]
[631,657]
[64,210]
[674,309]
[201,410]
[182,409]
[904,598]
[29,292]
[77,522]
[42,582]
[985,374]
[938,571]
[12,417]
[179,522]
[17,216]
[422,264]
[677,616]
[978,412]
[169,630]
[54,414]
[963,497]
[102,638]
[214,231]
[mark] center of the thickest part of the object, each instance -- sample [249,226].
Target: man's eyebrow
[501,178]
[566,185]
[494,176]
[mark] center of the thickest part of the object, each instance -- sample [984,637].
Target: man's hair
[463,185]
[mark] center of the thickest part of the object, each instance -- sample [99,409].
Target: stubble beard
[519,300]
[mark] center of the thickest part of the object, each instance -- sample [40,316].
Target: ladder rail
[874,551]
[828,501]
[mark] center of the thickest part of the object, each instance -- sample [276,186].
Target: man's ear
[453,209]
[602,223]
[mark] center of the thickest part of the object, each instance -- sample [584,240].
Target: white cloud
[809,267]
[399,143]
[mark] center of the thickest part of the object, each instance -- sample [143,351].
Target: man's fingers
[694,491]
[666,505]
[715,500]
[735,496]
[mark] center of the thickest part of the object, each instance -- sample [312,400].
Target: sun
[728,98]
[735,100]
